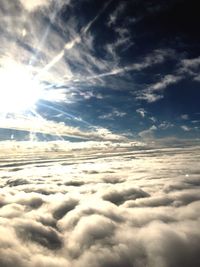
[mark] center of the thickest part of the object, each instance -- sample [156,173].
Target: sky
[125,69]
[99,133]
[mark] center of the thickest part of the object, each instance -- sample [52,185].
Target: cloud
[185,128]
[115,14]
[35,232]
[119,197]
[65,207]
[34,124]
[114,114]
[138,221]
[197,78]
[69,63]
[155,91]
[122,42]
[192,63]
[106,201]
[190,67]
[165,125]
[185,116]
[142,112]
[167,80]
[51,64]
[131,216]
[149,133]
[31,6]
[157,56]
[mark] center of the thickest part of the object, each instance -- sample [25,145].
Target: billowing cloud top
[67,204]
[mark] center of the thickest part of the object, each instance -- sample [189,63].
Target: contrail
[46,33]
[112,72]
[71,44]
[59,56]
[67,114]
[150,60]
[89,25]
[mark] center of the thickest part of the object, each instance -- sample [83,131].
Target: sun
[19,91]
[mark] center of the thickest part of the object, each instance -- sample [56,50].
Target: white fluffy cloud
[112,205]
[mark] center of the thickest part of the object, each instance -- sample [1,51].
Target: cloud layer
[95,205]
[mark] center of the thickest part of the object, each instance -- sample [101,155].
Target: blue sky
[127,69]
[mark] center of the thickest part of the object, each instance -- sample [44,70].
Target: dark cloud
[16,182]
[118,197]
[30,231]
[74,183]
[64,208]
[113,180]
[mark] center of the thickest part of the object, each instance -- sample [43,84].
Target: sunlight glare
[18,90]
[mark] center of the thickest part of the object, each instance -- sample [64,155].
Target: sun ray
[40,117]
[52,107]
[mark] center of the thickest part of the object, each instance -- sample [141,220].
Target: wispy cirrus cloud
[155,91]
[185,128]
[148,133]
[184,116]
[112,115]
[190,65]
[113,17]
[157,56]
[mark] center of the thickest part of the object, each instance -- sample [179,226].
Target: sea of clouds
[89,205]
